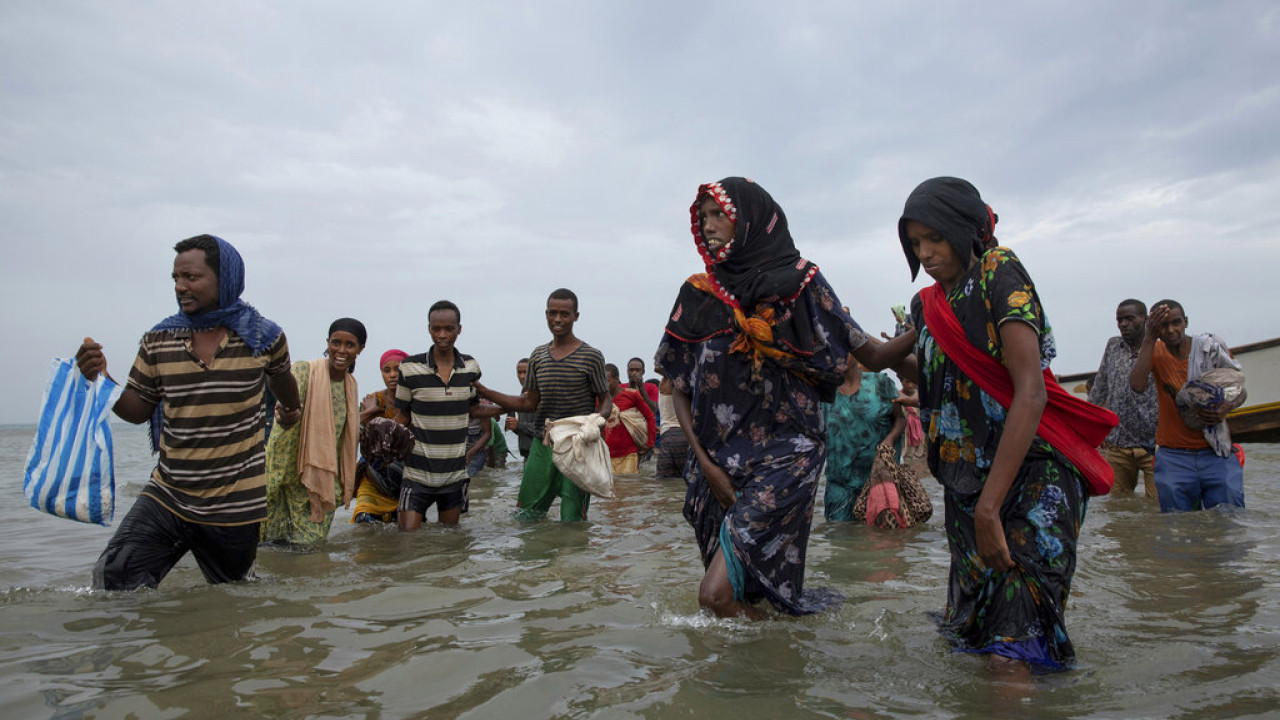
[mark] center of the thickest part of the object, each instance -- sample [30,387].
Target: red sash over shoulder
[1072,426]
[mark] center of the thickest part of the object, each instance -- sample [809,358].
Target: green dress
[288,502]
[856,424]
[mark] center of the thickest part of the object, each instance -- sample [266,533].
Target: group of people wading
[753,349]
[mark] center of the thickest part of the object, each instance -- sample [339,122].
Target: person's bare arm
[288,404]
[130,406]
[1142,366]
[481,442]
[1022,357]
[894,353]
[604,405]
[719,480]
[899,426]
[526,401]
[369,409]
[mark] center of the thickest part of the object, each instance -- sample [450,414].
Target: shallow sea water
[1172,616]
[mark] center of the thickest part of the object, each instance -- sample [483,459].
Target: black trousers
[151,540]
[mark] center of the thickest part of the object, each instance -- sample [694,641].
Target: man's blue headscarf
[233,313]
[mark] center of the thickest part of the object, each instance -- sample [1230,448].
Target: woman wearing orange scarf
[753,347]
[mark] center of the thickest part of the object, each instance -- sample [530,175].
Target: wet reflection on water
[1172,616]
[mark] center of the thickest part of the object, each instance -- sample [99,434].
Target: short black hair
[445,305]
[207,243]
[1171,305]
[611,370]
[636,359]
[523,360]
[1142,307]
[564,294]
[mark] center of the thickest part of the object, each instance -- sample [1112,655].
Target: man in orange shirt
[1190,474]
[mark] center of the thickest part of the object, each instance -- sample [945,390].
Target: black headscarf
[761,263]
[954,209]
[759,266]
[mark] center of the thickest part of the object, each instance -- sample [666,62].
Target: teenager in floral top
[1014,504]
[752,348]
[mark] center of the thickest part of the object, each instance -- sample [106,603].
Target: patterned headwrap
[954,209]
[232,312]
[760,263]
[752,286]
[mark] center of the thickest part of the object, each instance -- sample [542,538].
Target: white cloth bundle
[579,451]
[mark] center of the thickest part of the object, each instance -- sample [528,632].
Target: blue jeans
[1197,479]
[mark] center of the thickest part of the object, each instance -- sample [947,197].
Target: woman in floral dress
[1014,503]
[752,348]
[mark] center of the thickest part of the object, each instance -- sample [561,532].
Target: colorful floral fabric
[764,426]
[1018,613]
[856,424]
[962,422]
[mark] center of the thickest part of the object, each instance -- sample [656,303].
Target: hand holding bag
[70,467]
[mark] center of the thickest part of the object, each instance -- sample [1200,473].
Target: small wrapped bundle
[1222,387]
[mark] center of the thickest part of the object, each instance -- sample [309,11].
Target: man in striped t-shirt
[199,378]
[436,400]
[565,379]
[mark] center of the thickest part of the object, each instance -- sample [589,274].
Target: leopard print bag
[914,506]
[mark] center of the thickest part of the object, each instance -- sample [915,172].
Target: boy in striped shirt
[436,400]
[566,379]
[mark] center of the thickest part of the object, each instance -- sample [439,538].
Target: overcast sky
[368,159]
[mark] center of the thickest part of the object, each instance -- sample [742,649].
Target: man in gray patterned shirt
[1131,445]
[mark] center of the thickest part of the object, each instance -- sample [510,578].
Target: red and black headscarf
[954,209]
[755,278]
[761,263]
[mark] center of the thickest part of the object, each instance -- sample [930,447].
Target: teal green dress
[856,424]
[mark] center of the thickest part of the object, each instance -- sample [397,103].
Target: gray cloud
[368,160]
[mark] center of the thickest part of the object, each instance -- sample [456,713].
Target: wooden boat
[1258,420]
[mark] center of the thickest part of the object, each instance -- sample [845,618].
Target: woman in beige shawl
[310,464]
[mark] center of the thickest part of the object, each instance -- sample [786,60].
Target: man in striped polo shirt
[566,379]
[199,378]
[436,401]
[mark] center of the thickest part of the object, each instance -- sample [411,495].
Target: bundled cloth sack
[1213,379]
[1223,387]
[579,452]
[384,444]
[70,468]
[635,423]
[893,496]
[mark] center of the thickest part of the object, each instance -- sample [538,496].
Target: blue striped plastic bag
[70,469]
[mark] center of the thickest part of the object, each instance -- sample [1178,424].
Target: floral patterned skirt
[1018,613]
[767,527]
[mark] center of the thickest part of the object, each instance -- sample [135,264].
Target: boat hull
[1258,420]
